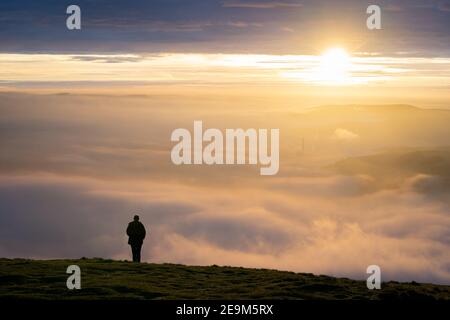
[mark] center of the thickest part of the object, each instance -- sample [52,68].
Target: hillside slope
[109,279]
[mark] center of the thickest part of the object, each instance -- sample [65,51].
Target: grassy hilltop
[109,279]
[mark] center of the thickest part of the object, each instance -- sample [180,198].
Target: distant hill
[405,161]
[109,279]
[352,130]
[429,167]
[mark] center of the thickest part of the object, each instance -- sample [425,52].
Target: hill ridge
[113,279]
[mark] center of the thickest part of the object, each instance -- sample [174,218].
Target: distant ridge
[369,107]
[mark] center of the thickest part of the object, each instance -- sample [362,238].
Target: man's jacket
[136,233]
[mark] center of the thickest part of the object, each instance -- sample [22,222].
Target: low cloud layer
[406,234]
[73,176]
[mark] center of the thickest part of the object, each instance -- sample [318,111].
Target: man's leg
[138,253]
[133,251]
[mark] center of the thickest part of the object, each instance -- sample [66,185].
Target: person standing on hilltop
[136,235]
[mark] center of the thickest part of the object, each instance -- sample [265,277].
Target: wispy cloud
[444,5]
[232,68]
[108,58]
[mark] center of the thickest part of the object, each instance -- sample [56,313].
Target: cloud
[429,184]
[67,217]
[344,135]
[72,176]
[241,233]
[444,5]
[242,24]
[326,186]
[108,58]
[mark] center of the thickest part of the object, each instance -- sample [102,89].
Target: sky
[143,47]
[225,26]
[363,116]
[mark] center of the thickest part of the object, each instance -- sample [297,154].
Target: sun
[334,67]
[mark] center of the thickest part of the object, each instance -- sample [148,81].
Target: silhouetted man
[136,236]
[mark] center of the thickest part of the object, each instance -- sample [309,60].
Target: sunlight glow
[334,67]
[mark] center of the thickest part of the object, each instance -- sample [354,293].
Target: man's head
[136,218]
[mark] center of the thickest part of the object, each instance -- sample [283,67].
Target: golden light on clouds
[334,67]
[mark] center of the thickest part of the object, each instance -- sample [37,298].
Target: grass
[109,279]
